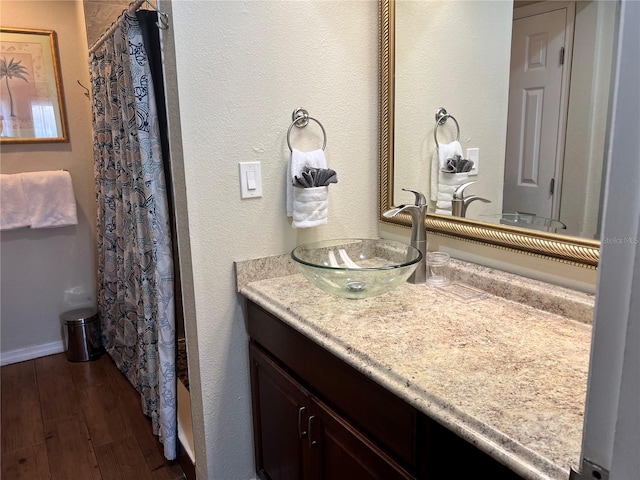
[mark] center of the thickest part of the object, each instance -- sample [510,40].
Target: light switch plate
[250,180]
[473,154]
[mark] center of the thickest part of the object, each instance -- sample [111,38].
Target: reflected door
[534,120]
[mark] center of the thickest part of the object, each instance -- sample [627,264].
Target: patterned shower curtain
[135,265]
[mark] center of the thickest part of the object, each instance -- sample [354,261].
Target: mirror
[457,55]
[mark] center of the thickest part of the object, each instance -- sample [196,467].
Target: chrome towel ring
[301,119]
[441,118]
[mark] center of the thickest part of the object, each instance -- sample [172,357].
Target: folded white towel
[448,183]
[13,204]
[50,199]
[439,160]
[297,161]
[446,191]
[310,206]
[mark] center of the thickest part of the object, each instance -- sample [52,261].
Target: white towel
[13,204]
[445,197]
[448,183]
[50,199]
[297,161]
[310,207]
[439,160]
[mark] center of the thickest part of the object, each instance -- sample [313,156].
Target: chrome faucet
[418,213]
[459,203]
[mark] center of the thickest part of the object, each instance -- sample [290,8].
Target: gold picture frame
[31,96]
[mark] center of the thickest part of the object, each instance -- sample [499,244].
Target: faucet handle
[459,193]
[420,198]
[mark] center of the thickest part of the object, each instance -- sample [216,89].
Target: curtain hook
[163,23]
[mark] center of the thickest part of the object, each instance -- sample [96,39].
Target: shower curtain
[135,264]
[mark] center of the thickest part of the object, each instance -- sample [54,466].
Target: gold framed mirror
[578,251]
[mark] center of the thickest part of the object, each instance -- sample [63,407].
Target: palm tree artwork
[10,70]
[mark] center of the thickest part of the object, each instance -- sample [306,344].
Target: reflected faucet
[459,203]
[418,213]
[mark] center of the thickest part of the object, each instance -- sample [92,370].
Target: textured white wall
[242,69]
[48,271]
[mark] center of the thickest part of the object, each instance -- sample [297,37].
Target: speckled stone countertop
[506,376]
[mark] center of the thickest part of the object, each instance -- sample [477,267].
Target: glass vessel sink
[356,268]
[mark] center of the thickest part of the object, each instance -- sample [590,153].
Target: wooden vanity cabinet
[316,417]
[299,437]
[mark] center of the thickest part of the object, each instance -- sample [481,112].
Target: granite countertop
[506,376]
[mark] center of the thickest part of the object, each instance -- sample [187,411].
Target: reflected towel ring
[163,23]
[301,119]
[441,118]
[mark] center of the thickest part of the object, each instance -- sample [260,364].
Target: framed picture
[31,97]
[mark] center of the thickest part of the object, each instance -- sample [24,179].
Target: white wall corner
[612,418]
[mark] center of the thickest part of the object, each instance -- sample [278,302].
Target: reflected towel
[297,161]
[448,183]
[13,204]
[50,199]
[439,160]
[310,207]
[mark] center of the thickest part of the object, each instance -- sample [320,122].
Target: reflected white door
[533,151]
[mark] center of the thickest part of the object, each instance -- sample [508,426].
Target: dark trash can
[83,336]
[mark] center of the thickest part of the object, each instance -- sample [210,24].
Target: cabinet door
[338,451]
[280,418]
[382,417]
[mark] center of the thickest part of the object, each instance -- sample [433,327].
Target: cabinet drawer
[387,420]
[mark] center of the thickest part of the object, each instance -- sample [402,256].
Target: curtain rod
[131,9]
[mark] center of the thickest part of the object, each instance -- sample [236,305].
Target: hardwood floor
[76,421]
